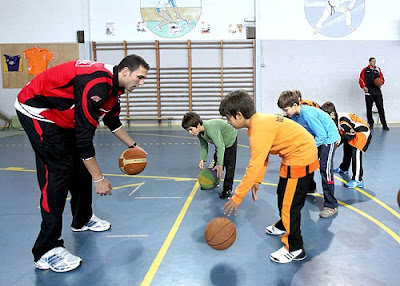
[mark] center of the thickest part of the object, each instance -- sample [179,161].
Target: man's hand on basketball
[254,190]
[103,188]
[230,206]
[201,164]
[220,170]
[140,148]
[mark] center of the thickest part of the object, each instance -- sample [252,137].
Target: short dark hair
[371,58]
[235,102]
[329,107]
[298,93]
[191,119]
[287,98]
[133,62]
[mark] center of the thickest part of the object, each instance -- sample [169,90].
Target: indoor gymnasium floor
[158,220]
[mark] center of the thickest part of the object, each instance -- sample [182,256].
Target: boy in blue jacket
[326,134]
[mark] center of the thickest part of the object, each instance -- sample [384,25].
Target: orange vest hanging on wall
[38,60]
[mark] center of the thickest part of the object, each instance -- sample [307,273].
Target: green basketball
[208,179]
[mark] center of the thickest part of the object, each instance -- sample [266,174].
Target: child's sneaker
[58,259]
[327,212]
[284,256]
[273,230]
[340,171]
[225,194]
[94,224]
[353,183]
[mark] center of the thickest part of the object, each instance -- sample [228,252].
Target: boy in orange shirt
[355,136]
[276,135]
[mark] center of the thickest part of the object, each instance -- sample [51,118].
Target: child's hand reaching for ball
[254,190]
[230,206]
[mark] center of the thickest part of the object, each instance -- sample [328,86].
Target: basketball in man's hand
[378,81]
[132,161]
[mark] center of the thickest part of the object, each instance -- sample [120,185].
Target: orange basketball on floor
[378,81]
[132,161]
[220,233]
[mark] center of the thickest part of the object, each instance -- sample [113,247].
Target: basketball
[208,179]
[132,161]
[398,198]
[220,233]
[378,81]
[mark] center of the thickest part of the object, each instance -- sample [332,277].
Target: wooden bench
[159,119]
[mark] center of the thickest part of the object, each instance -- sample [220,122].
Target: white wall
[328,71]
[294,57]
[291,56]
[286,20]
[42,21]
[219,14]
[49,21]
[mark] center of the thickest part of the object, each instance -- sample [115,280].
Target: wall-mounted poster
[334,18]
[205,27]
[170,18]
[235,28]
[141,27]
[110,29]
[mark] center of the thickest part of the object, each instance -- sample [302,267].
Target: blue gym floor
[158,220]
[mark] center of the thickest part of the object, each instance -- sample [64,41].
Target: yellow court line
[127,186]
[164,248]
[172,136]
[382,204]
[245,146]
[167,243]
[10,135]
[178,179]
[367,216]
[17,169]
[112,175]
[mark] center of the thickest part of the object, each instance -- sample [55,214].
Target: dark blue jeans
[325,155]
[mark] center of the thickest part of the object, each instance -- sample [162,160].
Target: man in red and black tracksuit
[373,92]
[60,110]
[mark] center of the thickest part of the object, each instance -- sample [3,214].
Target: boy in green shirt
[224,137]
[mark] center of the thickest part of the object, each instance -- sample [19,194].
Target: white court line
[149,198]
[135,189]
[126,235]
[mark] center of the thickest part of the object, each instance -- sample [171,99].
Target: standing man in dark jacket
[59,111]
[373,92]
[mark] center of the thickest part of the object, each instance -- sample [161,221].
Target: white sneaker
[272,230]
[94,224]
[284,256]
[58,259]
